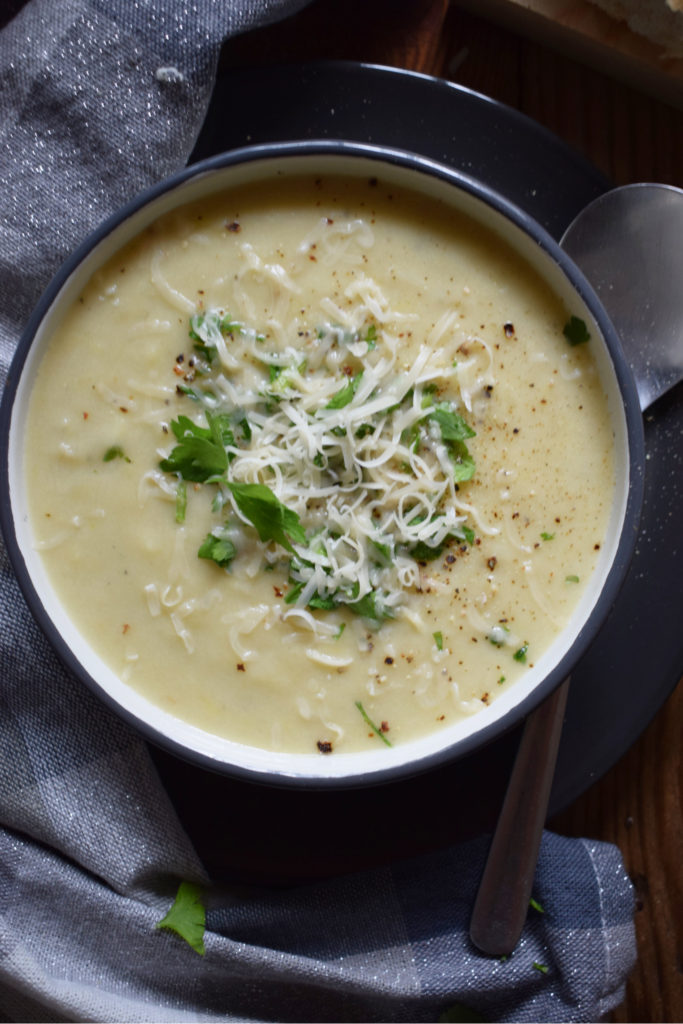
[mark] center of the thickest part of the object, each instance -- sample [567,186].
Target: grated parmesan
[347,438]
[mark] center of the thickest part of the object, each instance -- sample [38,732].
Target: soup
[320,467]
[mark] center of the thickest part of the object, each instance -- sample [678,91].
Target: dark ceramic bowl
[536,247]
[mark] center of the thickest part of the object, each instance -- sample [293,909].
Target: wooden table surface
[630,136]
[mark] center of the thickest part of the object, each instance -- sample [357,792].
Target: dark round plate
[253,833]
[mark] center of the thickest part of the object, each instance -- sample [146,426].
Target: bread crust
[660,21]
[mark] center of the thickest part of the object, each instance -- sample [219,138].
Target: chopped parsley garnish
[453,426]
[575,331]
[200,453]
[281,380]
[370,606]
[423,552]
[521,653]
[454,433]
[181,502]
[468,534]
[322,452]
[187,916]
[193,393]
[463,467]
[209,352]
[426,552]
[381,553]
[369,721]
[535,905]
[271,519]
[498,636]
[571,579]
[115,452]
[542,968]
[206,328]
[345,395]
[371,336]
[547,536]
[438,640]
[217,549]
[344,336]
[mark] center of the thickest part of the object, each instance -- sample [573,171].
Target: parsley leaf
[193,393]
[423,552]
[271,519]
[381,553]
[244,425]
[281,379]
[575,331]
[180,501]
[497,636]
[292,595]
[370,337]
[201,452]
[369,606]
[454,433]
[520,655]
[205,326]
[453,426]
[368,721]
[463,466]
[115,452]
[345,395]
[217,549]
[324,603]
[209,352]
[438,640]
[187,916]
[468,533]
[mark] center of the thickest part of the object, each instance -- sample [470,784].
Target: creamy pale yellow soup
[315,466]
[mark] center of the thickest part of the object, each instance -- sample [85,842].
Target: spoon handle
[502,901]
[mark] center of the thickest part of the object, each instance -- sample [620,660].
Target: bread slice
[660,21]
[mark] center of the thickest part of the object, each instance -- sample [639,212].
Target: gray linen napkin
[98,99]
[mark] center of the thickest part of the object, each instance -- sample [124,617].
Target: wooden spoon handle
[502,901]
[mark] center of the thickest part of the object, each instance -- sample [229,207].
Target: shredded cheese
[367,452]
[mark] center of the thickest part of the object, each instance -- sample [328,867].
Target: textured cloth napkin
[98,99]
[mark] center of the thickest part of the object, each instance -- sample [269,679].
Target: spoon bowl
[627,242]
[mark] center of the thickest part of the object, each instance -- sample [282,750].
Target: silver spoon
[628,243]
